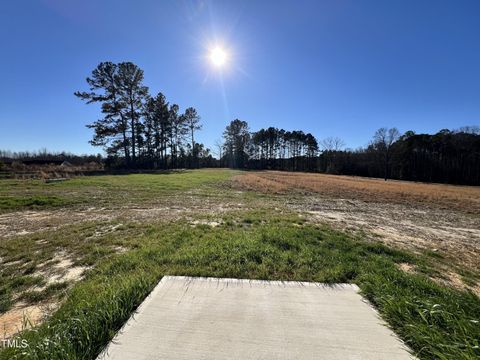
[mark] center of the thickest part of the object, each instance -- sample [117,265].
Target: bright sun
[218,56]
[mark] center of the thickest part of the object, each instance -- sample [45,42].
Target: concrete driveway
[208,318]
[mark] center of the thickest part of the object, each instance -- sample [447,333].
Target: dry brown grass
[49,171]
[464,198]
[260,182]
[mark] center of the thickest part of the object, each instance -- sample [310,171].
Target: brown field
[418,216]
[17,170]
[464,198]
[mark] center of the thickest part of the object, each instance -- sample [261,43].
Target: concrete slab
[207,318]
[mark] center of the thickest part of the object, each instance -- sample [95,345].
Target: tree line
[47,157]
[267,148]
[139,130]
[449,156]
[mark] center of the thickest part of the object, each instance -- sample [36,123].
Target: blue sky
[334,68]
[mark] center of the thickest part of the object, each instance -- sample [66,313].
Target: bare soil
[21,317]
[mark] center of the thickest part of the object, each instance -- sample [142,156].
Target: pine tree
[237,137]
[134,95]
[110,131]
[192,120]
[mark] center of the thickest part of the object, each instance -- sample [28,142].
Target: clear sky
[334,68]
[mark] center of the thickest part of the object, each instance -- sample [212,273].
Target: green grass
[468,277]
[11,203]
[107,190]
[11,282]
[33,297]
[438,323]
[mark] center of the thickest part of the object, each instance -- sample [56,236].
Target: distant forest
[446,157]
[139,131]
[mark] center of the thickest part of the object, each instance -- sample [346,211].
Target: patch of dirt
[206,222]
[58,269]
[105,230]
[451,278]
[22,317]
[15,223]
[406,267]
[13,263]
[120,249]
[62,270]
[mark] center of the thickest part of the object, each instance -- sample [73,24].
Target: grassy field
[110,191]
[90,251]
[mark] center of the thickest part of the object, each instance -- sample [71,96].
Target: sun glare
[218,56]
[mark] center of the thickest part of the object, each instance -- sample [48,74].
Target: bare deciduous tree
[473,129]
[382,142]
[332,144]
[219,145]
